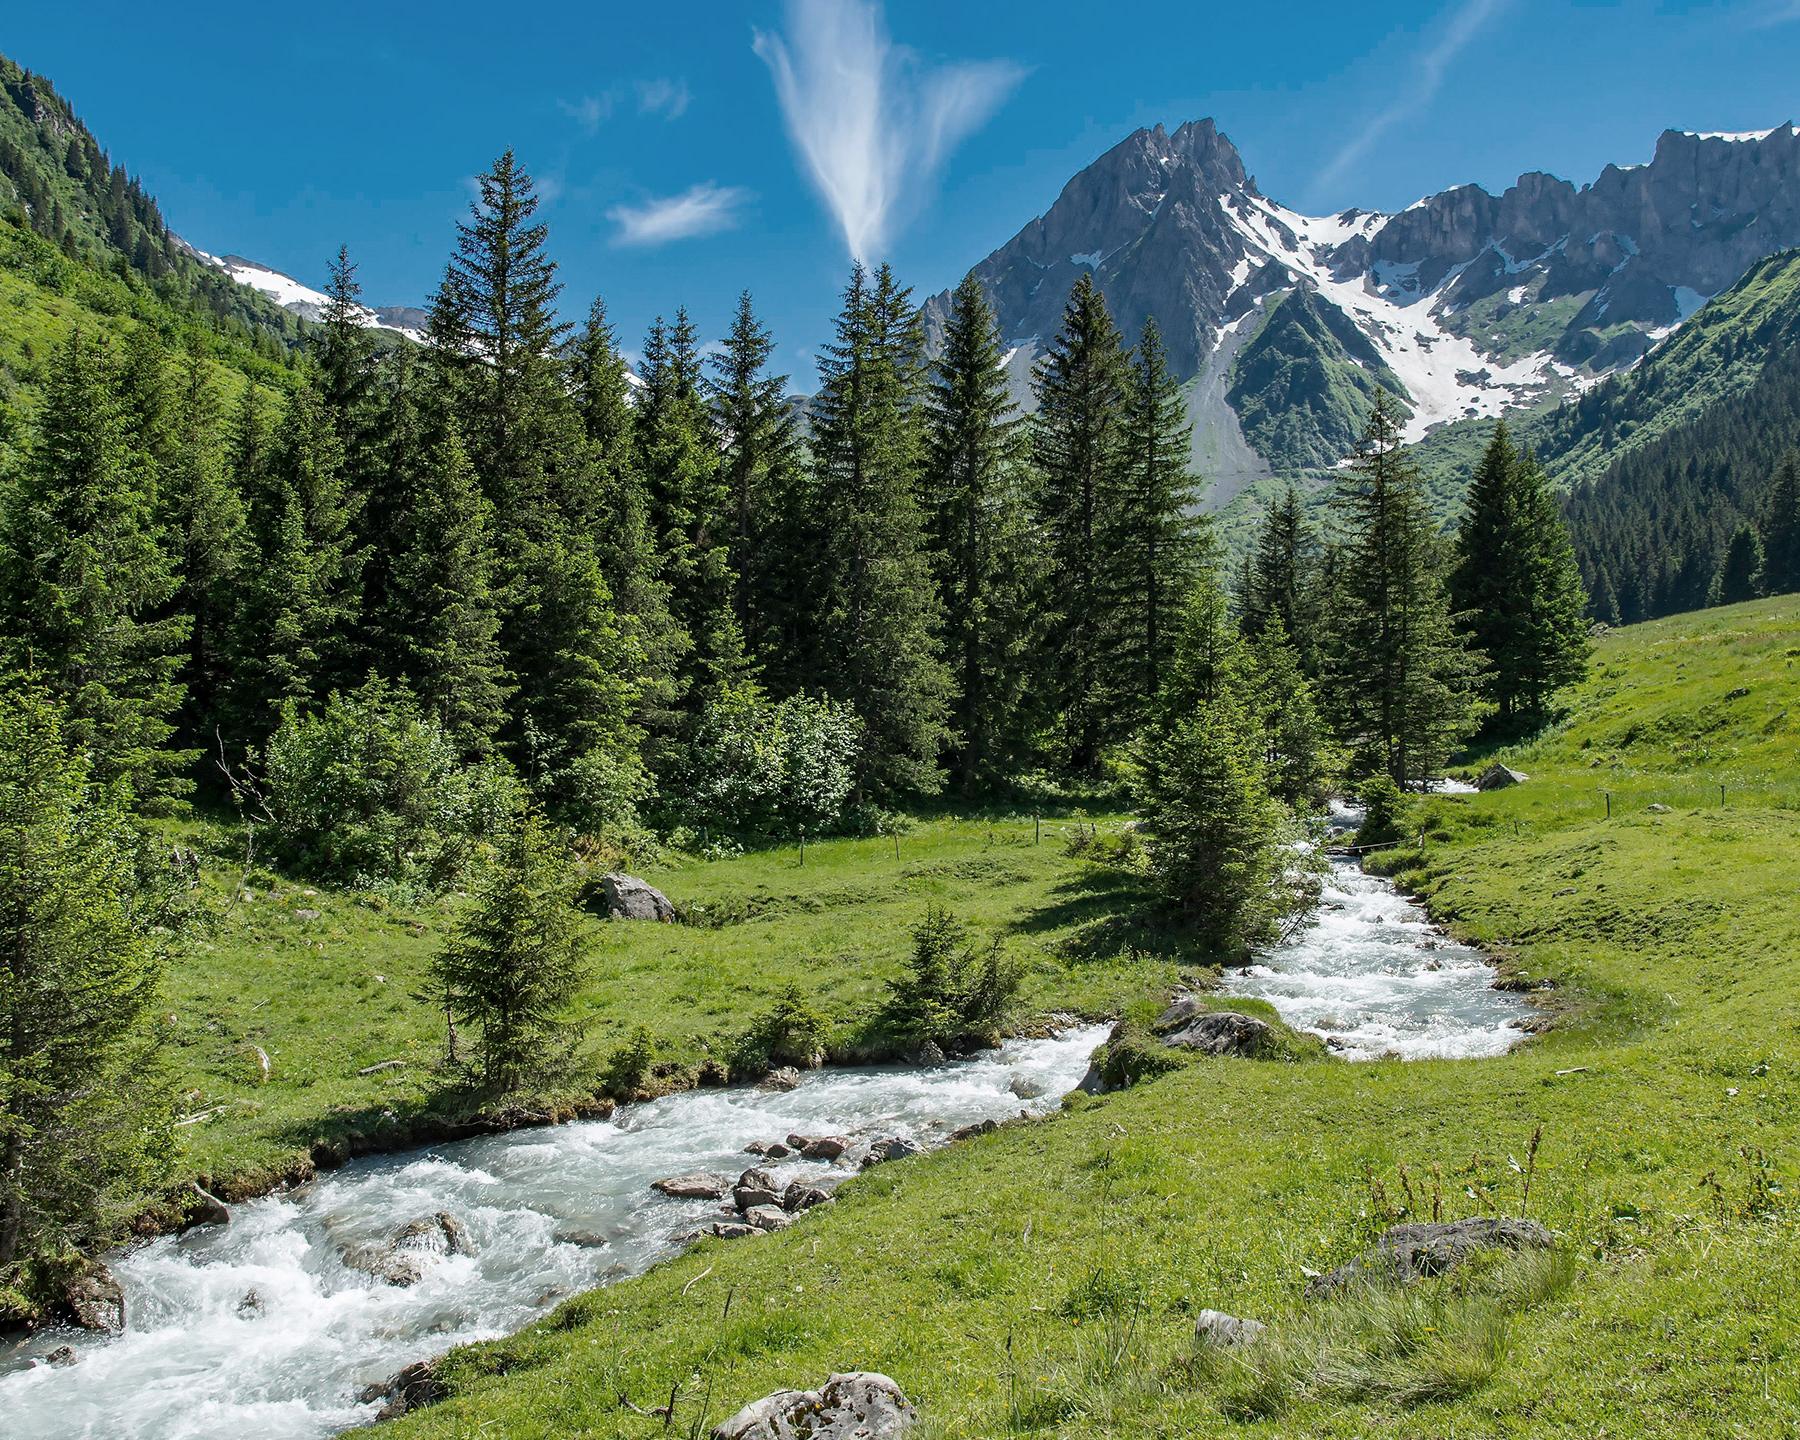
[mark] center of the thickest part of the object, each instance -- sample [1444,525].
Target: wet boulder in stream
[696,1186]
[93,1300]
[755,1187]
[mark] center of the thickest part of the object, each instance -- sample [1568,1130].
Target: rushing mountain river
[261,1327]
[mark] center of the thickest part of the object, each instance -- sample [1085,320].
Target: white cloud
[871,121]
[703,209]
[667,98]
[588,111]
[1418,90]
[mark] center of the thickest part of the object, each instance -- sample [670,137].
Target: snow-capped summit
[308,303]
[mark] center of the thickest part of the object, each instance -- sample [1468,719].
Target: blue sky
[690,150]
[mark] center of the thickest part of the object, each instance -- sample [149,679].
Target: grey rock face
[755,1187]
[1411,1252]
[629,898]
[1499,777]
[800,1196]
[893,1147]
[1188,1025]
[857,1406]
[768,1217]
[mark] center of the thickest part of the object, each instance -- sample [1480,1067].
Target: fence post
[896,844]
[1608,795]
[1037,829]
[802,844]
[1721,794]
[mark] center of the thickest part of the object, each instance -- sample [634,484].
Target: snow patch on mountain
[292,296]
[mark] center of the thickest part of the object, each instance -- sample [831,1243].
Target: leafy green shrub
[368,792]
[951,994]
[770,767]
[790,1032]
[628,1067]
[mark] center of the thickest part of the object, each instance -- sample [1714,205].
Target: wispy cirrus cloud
[703,209]
[872,122]
[1418,90]
[662,97]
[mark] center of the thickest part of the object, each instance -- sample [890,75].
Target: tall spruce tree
[612,509]
[1515,586]
[982,543]
[1281,578]
[494,330]
[1078,440]
[208,523]
[1401,677]
[688,505]
[300,607]
[84,1127]
[1780,528]
[344,361]
[878,609]
[1740,572]
[760,473]
[88,582]
[1294,742]
[1160,539]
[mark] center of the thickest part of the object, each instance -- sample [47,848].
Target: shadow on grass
[1102,913]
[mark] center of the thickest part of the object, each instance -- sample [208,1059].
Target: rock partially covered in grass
[1216,1328]
[858,1406]
[1417,1251]
[1189,1025]
[629,898]
[800,1196]
[892,1147]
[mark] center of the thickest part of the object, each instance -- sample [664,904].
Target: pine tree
[1740,573]
[300,609]
[1515,586]
[344,356]
[1214,830]
[1400,675]
[1160,540]
[494,329]
[516,960]
[1282,579]
[1294,742]
[1780,528]
[208,522]
[1078,437]
[982,543]
[760,475]
[573,733]
[878,610]
[612,509]
[688,503]
[88,584]
[442,622]
[84,1127]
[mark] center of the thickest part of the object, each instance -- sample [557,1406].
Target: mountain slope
[1470,304]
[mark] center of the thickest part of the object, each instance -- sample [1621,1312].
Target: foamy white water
[550,1211]
[1374,977]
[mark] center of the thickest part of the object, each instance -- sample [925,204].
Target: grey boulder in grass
[629,898]
[1417,1251]
[857,1406]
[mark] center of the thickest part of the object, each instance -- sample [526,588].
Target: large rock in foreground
[1499,777]
[858,1406]
[94,1301]
[1189,1025]
[629,898]
[1413,1252]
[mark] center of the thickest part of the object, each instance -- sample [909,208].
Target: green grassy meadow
[1043,1280]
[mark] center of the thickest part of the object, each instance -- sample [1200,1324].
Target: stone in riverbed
[800,1196]
[825,1147]
[697,1186]
[202,1207]
[768,1217]
[733,1229]
[1416,1251]
[857,1406]
[785,1078]
[894,1147]
[94,1301]
[755,1187]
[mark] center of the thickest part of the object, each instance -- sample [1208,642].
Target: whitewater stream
[1374,977]
[260,1328]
